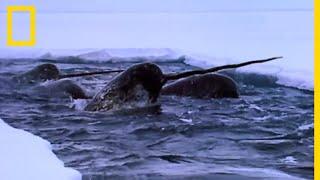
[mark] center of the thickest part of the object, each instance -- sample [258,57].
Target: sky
[156,6]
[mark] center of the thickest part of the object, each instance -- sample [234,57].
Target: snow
[287,73]
[101,55]
[26,156]
[88,53]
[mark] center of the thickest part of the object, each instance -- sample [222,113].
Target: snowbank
[95,54]
[26,156]
[285,70]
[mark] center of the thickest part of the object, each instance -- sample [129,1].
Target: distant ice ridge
[26,156]
[289,72]
[88,54]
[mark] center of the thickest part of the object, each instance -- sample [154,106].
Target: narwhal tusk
[175,76]
[88,74]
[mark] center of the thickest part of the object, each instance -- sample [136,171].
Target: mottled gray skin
[62,88]
[143,80]
[40,73]
[203,86]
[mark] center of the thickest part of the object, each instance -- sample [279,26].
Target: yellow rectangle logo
[10,40]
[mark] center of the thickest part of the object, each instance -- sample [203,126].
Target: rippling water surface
[267,133]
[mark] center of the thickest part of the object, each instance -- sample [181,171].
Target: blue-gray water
[265,134]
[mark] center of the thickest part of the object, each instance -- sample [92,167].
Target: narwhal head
[150,76]
[46,72]
[140,82]
[42,72]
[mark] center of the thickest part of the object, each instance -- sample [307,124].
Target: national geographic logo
[31,41]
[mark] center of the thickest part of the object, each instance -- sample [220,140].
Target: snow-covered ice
[29,157]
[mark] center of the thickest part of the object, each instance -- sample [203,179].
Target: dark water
[266,134]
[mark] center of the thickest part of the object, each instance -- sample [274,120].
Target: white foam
[306,127]
[79,104]
[186,120]
[290,160]
[26,156]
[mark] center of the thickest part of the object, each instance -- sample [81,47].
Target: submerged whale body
[40,73]
[55,88]
[61,88]
[59,84]
[139,82]
[203,86]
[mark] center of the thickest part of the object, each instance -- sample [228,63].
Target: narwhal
[144,82]
[203,86]
[49,71]
[59,85]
